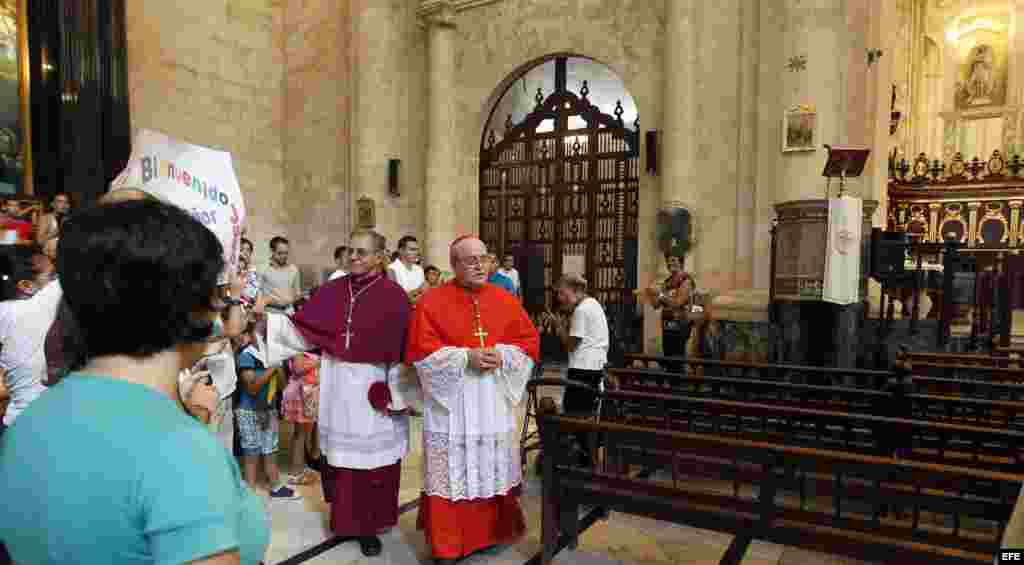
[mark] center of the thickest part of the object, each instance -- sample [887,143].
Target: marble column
[677,138]
[442,192]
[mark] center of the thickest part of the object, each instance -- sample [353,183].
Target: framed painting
[15,125]
[799,130]
[366,216]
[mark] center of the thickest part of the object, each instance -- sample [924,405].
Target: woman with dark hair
[154,484]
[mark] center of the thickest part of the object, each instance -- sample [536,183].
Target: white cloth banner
[198,179]
[842,258]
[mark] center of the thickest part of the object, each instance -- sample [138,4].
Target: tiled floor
[622,539]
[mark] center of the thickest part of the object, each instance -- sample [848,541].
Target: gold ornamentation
[993,213]
[953,214]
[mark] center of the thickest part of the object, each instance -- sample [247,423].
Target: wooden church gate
[573,194]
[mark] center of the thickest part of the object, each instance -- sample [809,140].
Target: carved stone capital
[436,13]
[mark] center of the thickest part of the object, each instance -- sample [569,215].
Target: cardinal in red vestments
[474,347]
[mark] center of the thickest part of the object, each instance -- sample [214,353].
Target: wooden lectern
[798,255]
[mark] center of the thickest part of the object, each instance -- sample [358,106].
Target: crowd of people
[170,389]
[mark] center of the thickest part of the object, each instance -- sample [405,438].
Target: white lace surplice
[352,434]
[470,438]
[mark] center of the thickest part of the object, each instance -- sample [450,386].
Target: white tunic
[409,278]
[470,436]
[23,328]
[352,434]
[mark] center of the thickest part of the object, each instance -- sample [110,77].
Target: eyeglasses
[362,253]
[473,261]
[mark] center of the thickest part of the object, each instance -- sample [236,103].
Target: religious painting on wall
[799,129]
[981,80]
[366,217]
[15,165]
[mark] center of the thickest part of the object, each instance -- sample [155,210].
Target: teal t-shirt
[98,470]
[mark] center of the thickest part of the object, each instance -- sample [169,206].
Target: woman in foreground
[125,474]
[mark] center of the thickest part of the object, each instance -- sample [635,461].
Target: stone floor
[300,525]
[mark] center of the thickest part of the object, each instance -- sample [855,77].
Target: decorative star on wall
[874,55]
[797,63]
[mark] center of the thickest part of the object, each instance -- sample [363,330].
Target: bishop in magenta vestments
[363,445]
[472,472]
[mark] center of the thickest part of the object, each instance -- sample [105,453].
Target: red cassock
[459,524]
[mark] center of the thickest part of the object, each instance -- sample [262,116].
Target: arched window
[605,91]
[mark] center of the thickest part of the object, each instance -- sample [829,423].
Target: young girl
[301,401]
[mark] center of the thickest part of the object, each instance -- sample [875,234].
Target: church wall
[210,72]
[811,56]
[316,138]
[389,113]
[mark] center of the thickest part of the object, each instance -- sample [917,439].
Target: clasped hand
[483,359]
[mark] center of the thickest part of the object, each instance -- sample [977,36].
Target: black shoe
[370,546]
[445,561]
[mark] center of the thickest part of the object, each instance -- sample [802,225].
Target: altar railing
[977,203]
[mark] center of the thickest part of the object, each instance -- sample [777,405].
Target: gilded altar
[977,203]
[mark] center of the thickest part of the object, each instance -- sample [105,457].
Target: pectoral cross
[348,328]
[480,333]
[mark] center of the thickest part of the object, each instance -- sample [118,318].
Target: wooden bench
[952,515]
[936,442]
[860,378]
[969,372]
[997,359]
[968,388]
[927,441]
[965,410]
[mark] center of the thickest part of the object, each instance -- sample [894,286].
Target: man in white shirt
[586,338]
[509,270]
[340,261]
[406,271]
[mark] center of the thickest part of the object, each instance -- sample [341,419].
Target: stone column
[441,202]
[884,36]
[376,132]
[677,137]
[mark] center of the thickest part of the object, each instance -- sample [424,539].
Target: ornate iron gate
[572,192]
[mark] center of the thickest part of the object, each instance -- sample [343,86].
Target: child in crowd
[255,418]
[433,275]
[301,400]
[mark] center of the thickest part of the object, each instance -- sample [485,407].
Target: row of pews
[921,464]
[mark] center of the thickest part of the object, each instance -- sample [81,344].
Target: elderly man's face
[470,263]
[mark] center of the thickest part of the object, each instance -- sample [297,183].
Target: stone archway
[563,179]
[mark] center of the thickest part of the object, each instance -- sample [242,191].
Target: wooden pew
[968,388]
[972,359]
[855,524]
[935,442]
[969,372]
[861,378]
[970,411]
